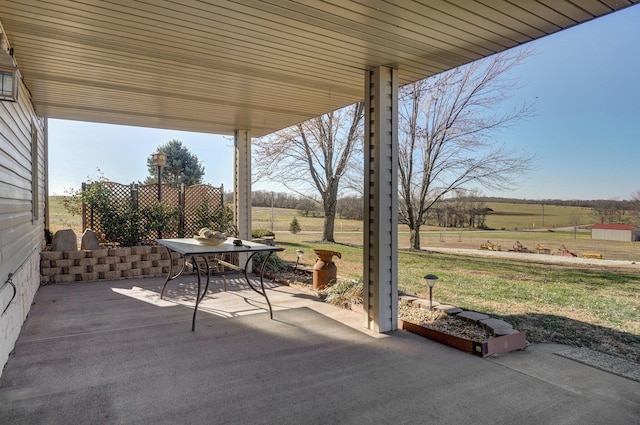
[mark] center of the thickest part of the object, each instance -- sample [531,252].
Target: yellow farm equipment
[490,246]
[543,249]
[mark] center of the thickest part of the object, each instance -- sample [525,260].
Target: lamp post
[299,253]
[431,282]
[159,159]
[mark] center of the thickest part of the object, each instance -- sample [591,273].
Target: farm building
[615,232]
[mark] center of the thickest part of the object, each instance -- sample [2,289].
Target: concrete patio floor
[112,352]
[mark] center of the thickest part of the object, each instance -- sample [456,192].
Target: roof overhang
[216,66]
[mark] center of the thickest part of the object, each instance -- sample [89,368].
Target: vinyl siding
[21,234]
[612,234]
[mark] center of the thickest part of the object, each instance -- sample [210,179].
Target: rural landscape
[495,256]
[592,303]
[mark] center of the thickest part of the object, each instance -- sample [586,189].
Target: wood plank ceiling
[218,65]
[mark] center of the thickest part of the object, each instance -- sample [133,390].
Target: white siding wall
[611,234]
[21,228]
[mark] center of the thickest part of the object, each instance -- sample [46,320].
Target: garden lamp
[9,75]
[431,282]
[159,159]
[299,253]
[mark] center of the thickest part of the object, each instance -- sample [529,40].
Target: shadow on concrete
[111,352]
[563,330]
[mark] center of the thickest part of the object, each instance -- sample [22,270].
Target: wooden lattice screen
[196,206]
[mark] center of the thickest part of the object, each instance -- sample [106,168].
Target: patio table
[189,247]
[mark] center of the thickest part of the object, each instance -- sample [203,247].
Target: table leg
[208,268]
[169,277]
[263,293]
[206,287]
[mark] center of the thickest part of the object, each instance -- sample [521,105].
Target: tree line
[348,207]
[462,210]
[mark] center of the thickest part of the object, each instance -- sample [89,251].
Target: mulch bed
[442,322]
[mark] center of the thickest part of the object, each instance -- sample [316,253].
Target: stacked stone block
[105,264]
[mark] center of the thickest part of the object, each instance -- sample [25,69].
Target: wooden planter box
[497,345]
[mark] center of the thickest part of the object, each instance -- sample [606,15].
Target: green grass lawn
[564,304]
[507,216]
[60,218]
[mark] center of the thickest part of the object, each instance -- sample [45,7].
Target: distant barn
[615,232]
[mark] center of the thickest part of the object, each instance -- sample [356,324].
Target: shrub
[274,264]
[117,217]
[159,218]
[261,233]
[344,293]
[294,226]
[215,218]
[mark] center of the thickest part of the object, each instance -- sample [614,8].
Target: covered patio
[249,68]
[113,352]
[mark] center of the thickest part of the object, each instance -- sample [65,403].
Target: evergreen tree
[182,166]
[294,226]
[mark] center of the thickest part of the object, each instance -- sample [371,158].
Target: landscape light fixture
[431,282]
[159,159]
[299,253]
[9,76]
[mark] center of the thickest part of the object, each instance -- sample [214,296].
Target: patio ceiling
[215,66]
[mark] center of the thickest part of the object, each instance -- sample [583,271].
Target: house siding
[613,235]
[22,218]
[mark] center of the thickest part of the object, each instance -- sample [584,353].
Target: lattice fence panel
[119,198]
[147,200]
[203,207]
[132,206]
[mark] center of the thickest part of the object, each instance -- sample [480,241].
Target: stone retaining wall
[105,264]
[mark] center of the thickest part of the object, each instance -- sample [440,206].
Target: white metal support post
[242,187]
[381,200]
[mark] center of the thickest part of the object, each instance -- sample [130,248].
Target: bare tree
[314,156]
[574,219]
[446,136]
[635,204]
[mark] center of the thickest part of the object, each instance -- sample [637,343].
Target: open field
[596,306]
[507,216]
[60,218]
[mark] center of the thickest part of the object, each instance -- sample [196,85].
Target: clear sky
[585,82]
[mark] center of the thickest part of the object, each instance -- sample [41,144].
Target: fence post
[134,196]
[84,209]
[133,193]
[181,205]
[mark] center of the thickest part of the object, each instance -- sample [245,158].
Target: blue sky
[585,133]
